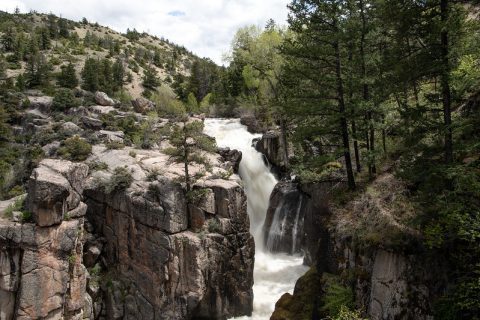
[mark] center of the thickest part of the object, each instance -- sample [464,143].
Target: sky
[205,27]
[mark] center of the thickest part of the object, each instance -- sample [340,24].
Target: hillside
[68,41]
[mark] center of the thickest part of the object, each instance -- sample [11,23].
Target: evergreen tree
[8,37]
[188,145]
[21,84]
[68,77]
[90,75]
[118,75]
[150,79]
[38,71]
[315,59]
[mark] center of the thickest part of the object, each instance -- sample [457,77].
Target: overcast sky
[205,27]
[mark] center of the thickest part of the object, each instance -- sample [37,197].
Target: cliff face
[134,253]
[368,245]
[166,270]
[41,271]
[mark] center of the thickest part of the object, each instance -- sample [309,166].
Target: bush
[64,99]
[115,145]
[75,149]
[120,180]
[214,226]
[17,205]
[337,297]
[97,166]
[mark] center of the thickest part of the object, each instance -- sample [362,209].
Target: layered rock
[273,149]
[171,261]
[41,271]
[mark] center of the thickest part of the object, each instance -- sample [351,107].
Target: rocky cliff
[140,252]
[200,264]
[41,270]
[368,246]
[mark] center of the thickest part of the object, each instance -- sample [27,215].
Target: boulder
[252,124]
[102,109]
[233,157]
[91,255]
[70,129]
[43,103]
[54,188]
[103,99]
[111,136]
[51,148]
[142,105]
[92,123]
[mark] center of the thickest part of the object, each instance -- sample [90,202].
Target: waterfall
[277,229]
[295,226]
[274,274]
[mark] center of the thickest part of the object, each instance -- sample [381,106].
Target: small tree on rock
[189,145]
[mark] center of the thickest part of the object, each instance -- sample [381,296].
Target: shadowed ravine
[274,274]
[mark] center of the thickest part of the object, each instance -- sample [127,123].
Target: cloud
[204,27]
[176,13]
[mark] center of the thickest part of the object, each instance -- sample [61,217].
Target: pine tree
[90,75]
[315,59]
[68,77]
[150,79]
[20,84]
[188,145]
[38,71]
[118,71]
[8,37]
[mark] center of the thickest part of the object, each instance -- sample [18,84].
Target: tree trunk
[366,94]
[446,94]
[283,132]
[343,118]
[355,146]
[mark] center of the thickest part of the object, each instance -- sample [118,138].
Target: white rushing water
[274,274]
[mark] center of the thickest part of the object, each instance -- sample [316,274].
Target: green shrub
[27,216]
[336,296]
[97,166]
[115,145]
[64,99]
[75,149]
[153,174]
[121,179]
[214,226]
[17,205]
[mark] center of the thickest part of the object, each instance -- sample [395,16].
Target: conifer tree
[150,79]
[90,75]
[315,59]
[68,77]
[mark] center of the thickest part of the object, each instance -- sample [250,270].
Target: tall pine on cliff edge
[315,60]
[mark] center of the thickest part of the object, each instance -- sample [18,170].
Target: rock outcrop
[271,146]
[200,260]
[103,99]
[143,105]
[41,271]
[283,227]
[139,252]
[367,240]
[252,124]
